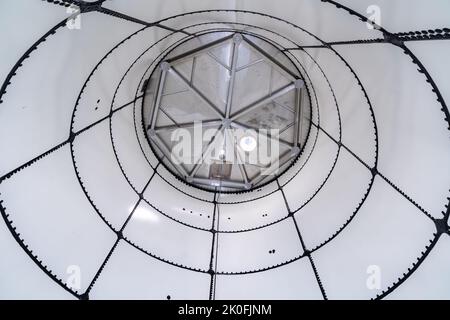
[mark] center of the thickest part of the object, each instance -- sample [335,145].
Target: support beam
[281,68]
[239,125]
[303,106]
[194,65]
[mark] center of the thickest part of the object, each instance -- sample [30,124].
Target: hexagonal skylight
[226,110]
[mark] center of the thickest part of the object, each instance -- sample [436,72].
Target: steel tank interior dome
[94,207]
